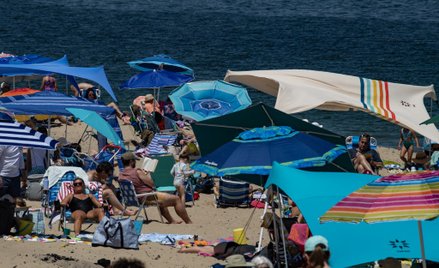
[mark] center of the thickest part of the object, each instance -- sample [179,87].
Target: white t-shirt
[11,161]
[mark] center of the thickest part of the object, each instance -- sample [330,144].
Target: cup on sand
[239,236]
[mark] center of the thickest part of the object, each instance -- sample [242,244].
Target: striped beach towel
[93,187]
[158,144]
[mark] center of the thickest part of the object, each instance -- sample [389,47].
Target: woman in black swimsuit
[83,206]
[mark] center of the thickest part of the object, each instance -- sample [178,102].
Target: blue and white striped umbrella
[202,100]
[16,134]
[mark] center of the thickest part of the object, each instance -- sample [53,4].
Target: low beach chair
[163,180]
[352,142]
[131,198]
[233,193]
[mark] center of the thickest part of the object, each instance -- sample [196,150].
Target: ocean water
[389,40]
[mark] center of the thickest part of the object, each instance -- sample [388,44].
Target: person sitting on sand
[407,136]
[143,183]
[83,206]
[88,91]
[48,83]
[365,159]
[103,174]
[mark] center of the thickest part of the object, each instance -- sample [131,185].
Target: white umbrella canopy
[302,90]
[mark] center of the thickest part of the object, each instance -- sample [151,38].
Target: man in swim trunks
[365,159]
[83,206]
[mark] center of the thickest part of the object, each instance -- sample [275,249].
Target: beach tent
[55,103]
[351,244]
[96,74]
[301,90]
[213,133]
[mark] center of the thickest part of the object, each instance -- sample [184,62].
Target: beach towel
[164,239]
[54,173]
[159,143]
[67,188]
[298,234]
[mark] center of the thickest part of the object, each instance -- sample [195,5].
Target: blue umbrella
[97,122]
[254,151]
[208,99]
[161,61]
[156,79]
[351,244]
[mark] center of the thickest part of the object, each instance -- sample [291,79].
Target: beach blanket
[164,239]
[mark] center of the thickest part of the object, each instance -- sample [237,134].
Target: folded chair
[233,193]
[163,180]
[131,198]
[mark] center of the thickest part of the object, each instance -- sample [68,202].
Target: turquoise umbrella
[97,122]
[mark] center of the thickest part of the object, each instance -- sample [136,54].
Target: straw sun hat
[237,261]
[149,97]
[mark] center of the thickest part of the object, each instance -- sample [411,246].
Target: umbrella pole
[421,240]
[262,228]
[281,209]
[276,238]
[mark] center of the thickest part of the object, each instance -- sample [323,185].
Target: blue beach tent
[351,244]
[95,74]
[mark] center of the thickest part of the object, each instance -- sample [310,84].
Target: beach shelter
[97,122]
[213,133]
[253,152]
[203,100]
[351,244]
[95,74]
[302,90]
[161,62]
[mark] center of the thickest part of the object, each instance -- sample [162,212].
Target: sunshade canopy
[302,90]
[213,133]
[254,151]
[156,79]
[351,244]
[160,61]
[96,74]
[202,100]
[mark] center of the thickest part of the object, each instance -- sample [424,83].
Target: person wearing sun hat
[237,260]
[317,252]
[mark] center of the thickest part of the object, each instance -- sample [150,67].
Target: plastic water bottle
[45,184]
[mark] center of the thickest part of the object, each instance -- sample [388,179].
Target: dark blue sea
[395,41]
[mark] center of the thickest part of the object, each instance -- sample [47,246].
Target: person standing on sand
[407,136]
[143,183]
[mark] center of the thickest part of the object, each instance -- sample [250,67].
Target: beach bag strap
[109,236]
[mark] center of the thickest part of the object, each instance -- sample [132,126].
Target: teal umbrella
[434,119]
[97,122]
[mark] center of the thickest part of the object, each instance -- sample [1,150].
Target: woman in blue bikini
[406,139]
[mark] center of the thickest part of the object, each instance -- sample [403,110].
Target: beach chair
[160,143]
[66,188]
[109,153]
[163,180]
[233,193]
[352,142]
[131,199]
[49,199]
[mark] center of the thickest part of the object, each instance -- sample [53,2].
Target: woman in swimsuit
[49,83]
[406,139]
[83,206]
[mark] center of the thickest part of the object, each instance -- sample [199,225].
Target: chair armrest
[145,194]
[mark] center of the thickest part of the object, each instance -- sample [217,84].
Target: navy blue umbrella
[255,150]
[156,79]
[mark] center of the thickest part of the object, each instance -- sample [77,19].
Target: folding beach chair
[352,142]
[163,180]
[49,199]
[233,193]
[131,198]
[109,153]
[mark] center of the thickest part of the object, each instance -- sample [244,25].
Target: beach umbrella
[156,79]
[160,62]
[213,133]
[208,99]
[432,120]
[253,152]
[412,196]
[97,122]
[352,244]
[15,134]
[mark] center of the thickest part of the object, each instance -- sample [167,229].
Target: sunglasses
[77,184]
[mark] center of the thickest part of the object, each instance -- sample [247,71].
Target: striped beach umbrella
[16,134]
[410,196]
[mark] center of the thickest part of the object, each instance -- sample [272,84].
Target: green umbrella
[432,120]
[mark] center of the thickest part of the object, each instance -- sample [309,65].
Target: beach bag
[116,233]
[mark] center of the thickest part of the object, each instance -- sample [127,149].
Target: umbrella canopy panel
[156,79]
[16,134]
[160,62]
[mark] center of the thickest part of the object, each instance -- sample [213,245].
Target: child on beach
[181,171]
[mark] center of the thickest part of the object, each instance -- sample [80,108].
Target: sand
[210,223]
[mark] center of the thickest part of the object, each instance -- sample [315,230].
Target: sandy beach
[210,223]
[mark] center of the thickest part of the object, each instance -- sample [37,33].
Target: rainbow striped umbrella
[410,196]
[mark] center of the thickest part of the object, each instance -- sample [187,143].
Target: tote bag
[116,233]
